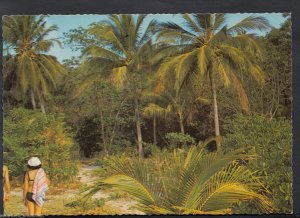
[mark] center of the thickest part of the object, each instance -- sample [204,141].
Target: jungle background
[197,102]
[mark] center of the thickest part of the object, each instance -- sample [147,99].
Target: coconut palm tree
[33,72]
[181,104]
[205,46]
[155,111]
[125,46]
[196,182]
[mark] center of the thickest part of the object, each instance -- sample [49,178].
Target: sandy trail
[126,206]
[15,205]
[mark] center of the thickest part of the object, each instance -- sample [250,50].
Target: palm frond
[250,23]
[119,75]
[190,22]
[241,93]
[154,109]
[219,20]
[195,182]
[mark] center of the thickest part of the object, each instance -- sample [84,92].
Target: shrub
[119,146]
[177,140]
[31,133]
[151,149]
[271,140]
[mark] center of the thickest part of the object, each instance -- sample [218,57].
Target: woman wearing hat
[5,179]
[35,187]
[6,185]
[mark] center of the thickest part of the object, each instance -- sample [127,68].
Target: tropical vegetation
[197,182]
[190,117]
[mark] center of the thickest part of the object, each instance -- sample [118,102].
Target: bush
[119,146]
[177,140]
[271,140]
[151,149]
[30,133]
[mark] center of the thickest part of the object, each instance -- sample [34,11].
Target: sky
[68,22]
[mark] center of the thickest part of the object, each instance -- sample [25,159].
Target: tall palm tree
[181,104]
[125,46]
[198,182]
[155,111]
[204,45]
[33,72]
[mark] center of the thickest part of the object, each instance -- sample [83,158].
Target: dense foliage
[271,141]
[156,89]
[30,133]
[179,140]
[274,98]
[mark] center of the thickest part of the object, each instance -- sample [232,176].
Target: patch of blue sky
[67,22]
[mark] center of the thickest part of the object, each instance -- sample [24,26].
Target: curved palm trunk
[138,127]
[32,100]
[42,102]
[215,108]
[154,130]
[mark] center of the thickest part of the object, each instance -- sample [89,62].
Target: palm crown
[123,50]
[33,69]
[207,47]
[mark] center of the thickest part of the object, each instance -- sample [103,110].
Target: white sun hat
[34,161]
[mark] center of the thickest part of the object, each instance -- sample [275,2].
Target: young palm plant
[32,71]
[125,46]
[204,45]
[196,182]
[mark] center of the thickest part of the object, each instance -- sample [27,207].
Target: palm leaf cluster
[29,69]
[205,45]
[195,182]
[124,48]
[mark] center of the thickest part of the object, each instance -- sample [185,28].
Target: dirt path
[55,201]
[125,205]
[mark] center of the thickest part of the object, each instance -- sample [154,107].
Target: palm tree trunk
[42,102]
[101,121]
[116,123]
[154,130]
[138,127]
[181,121]
[215,107]
[33,100]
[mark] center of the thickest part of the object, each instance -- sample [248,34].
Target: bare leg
[37,210]
[30,207]
[4,196]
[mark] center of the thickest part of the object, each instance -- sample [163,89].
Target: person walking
[35,187]
[6,184]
